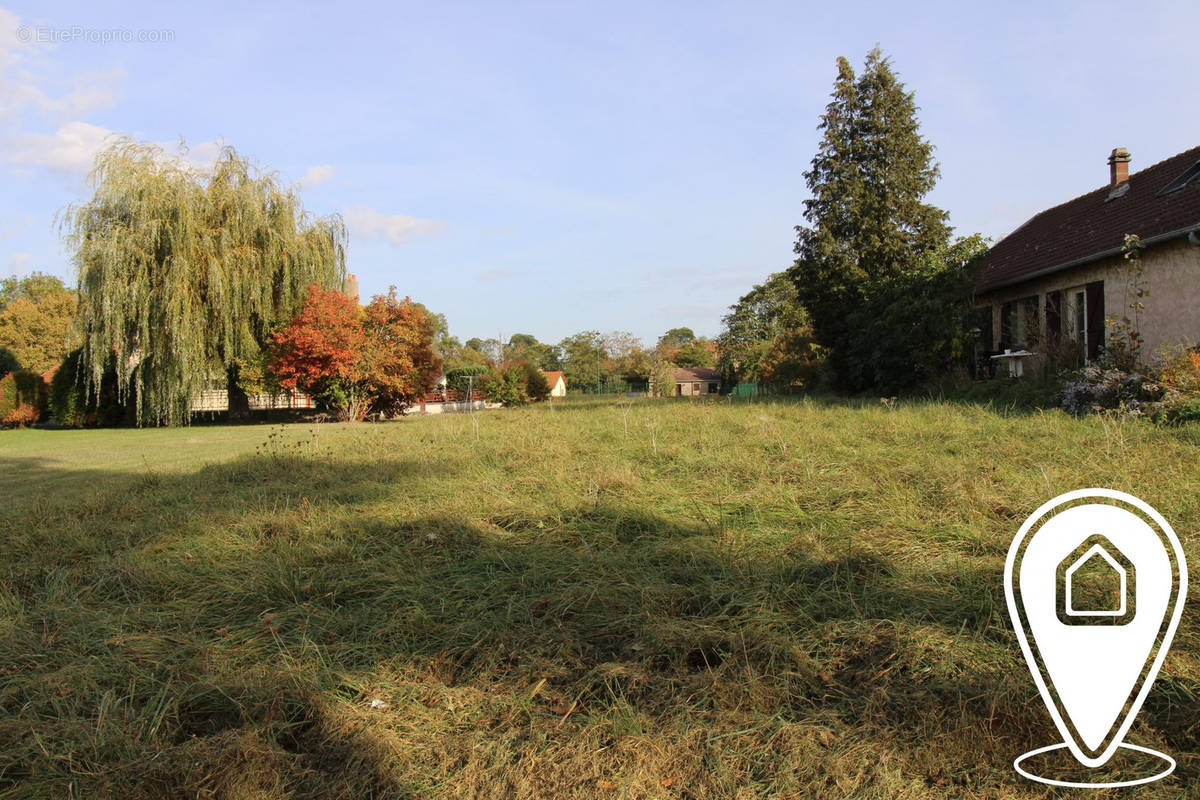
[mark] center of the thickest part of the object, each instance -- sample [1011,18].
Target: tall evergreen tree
[869,228]
[184,274]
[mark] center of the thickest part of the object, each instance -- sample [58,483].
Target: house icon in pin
[1096,585]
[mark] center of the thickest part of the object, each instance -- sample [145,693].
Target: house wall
[696,388]
[559,389]
[1171,276]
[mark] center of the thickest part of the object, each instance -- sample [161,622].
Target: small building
[1050,285]
[557,381]
[697,381]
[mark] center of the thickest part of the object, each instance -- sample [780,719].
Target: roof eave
[1103,254]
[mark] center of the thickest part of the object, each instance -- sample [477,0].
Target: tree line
[192,280]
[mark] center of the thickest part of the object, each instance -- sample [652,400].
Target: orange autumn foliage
[324,341]
[377,358]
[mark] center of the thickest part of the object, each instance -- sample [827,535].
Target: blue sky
[555,167]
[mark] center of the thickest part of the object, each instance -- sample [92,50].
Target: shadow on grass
[225,633]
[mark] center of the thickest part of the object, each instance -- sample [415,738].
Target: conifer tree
[869,229]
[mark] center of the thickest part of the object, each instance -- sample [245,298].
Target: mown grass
[641,599]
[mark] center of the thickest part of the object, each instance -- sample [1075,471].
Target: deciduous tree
[36,317]
[398,364]
[321,352]
[357,360]
[185,273]
[766,337]
[583,356]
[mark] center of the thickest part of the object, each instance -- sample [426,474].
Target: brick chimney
[350,286]
[1118,166]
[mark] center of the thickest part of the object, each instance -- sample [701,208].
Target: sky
[549,168]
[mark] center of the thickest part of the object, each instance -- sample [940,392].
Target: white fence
[218,400]
[451,408]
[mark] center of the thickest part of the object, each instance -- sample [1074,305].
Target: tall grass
[597,599]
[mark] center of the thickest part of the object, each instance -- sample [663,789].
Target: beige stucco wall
[559,389]
[1171,275]
[696,388]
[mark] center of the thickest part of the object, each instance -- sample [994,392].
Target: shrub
[24,414]
[22,399]
[1179,376]
[1095,389]
[1181,370]
[456,379]
[506,384]
[537,386]
[1167,394]
[68,398]
[8,395]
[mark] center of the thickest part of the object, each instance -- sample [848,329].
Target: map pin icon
[1095,582]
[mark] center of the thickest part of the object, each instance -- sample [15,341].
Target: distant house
[558,383]
[1053,281]
[696,381]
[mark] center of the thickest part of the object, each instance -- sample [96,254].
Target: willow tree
[184,273]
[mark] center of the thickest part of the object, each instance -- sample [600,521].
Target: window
[1183,180]
[1031,329]
[1054,322]
[1019,323]
[712,388]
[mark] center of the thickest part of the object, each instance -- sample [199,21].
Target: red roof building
[557,381]
[1054,281]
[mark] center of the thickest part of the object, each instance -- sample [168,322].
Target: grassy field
[644,599]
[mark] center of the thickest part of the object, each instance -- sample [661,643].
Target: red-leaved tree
[398,365]
[357,360]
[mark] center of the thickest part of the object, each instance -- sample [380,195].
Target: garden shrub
[1095,389]
[537,386]
[506,384]
[8,395]
[69,403]
[1179,376]
[22,399]
[456,379]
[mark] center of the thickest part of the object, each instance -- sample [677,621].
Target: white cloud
[396,228]
[71,149]
[20,263]
[315,176]
[23,86]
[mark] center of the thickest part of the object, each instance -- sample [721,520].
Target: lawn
[626,599]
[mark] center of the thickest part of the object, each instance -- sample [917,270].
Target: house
[696,381]
[1053,282]
[557,381]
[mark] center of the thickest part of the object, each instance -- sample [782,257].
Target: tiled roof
[1094,225]
[552,378]
[685,374]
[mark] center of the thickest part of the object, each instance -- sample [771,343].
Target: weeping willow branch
[183,273]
